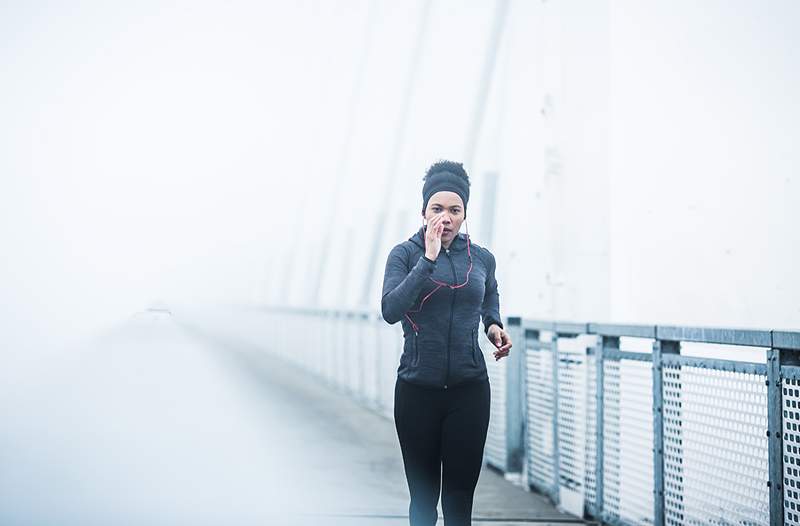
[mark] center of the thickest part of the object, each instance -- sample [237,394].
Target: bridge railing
[611,422]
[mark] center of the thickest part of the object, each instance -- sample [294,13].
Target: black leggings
[442,433]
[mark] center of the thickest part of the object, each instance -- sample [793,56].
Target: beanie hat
[445,182]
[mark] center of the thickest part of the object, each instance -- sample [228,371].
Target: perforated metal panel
[352,357]
[379,350]
[791,451]
[674,509]
[495,450]
[540,411]
[367,365]
[341,352]
[336,349]
[347,356]
[311,337]
[358,354]
[591,432]
[716,462]
[298,324]
[328,349]
[391,347]
[611,438]
[571,424]
[628,441]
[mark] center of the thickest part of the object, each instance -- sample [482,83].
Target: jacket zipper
[450,327]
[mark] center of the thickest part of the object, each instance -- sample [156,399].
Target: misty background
[198,152]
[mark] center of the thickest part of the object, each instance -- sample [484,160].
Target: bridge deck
[159,424]
[364,456]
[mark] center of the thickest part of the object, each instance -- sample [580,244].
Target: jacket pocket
[415,349]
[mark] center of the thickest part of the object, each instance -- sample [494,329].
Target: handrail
[781,339]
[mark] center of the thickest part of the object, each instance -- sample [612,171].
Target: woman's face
[449,204]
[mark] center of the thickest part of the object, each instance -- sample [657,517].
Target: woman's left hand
[500,339]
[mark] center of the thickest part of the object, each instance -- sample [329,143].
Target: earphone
[441,284]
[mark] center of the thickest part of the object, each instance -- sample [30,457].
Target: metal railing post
[774,436]
[610,343]
[659,348]
[784,351]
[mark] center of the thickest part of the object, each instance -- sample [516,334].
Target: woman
[440,284]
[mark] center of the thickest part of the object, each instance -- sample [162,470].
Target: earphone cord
[441,284]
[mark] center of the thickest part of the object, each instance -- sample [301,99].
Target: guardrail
[611,422]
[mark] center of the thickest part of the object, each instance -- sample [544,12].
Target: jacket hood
[458,244]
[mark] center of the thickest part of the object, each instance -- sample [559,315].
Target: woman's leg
[417,420]
[463,438]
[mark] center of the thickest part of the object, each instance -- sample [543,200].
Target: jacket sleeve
[402,286]
[491,299]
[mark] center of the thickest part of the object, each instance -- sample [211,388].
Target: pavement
[164,422]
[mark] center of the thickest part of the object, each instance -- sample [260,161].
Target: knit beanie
[445,182]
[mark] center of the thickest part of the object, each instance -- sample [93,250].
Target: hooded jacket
[443,350]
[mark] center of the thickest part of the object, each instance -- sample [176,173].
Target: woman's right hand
[433,237]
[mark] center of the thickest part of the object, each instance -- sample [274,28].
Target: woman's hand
[433,237]
[500,339]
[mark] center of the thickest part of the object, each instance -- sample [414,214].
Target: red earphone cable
[441,284]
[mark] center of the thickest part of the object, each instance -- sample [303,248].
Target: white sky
[145,149]
[169,151]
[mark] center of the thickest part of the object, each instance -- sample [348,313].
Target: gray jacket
[441,345]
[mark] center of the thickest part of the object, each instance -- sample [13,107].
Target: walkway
[156,423]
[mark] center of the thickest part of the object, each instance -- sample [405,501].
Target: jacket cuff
[426,263]
[489,322]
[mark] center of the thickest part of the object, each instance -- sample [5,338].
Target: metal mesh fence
[350,353]
[791,451]
[495,450]
[611,434]
[571,416]
[391,348]
[628,443]
[674,512]
[591,432]
[716,463]
[540,412]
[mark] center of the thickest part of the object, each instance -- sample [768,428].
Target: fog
[151,155]
[148,153]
